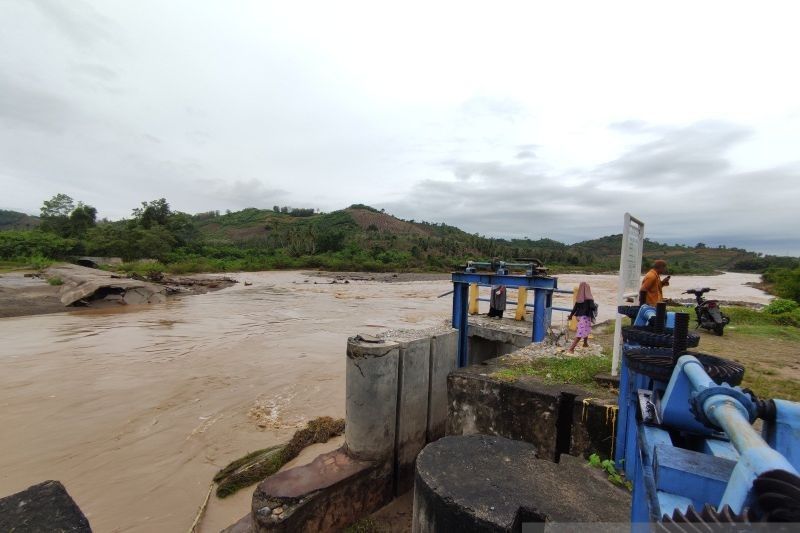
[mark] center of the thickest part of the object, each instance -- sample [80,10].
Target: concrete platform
[43,507]
[328,494]
[482,483]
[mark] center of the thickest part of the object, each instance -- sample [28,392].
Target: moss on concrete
[261,464]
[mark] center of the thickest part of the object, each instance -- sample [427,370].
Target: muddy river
[134,409]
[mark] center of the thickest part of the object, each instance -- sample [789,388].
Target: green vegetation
[780,306]
[766,343]
[784,282]
[55,281]
[357,238]
[607,465]
[13,220]
[35,262]
[574,370]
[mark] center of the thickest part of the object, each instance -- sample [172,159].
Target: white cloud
[325,104]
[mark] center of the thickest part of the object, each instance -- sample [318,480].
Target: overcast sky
[539,119]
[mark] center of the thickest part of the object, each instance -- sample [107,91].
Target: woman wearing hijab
[586,311]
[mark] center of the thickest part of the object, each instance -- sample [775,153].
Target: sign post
[630,269]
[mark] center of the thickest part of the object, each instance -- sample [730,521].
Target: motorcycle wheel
[719,329]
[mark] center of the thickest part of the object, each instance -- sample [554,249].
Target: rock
[277,511]
[82,283]
[43,507]
[264,512]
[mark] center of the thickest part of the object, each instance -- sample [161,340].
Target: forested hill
[357,238]
[385,237]
[10,220]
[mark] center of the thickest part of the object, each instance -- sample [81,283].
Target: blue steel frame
[542,286]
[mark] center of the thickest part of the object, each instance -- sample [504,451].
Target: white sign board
[630,270]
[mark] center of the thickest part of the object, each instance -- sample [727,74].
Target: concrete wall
[397,397]
[555,418]
[412,408]
[371,399]
[443,361]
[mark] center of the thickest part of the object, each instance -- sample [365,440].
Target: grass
[574,370]
[25,263]
[767,345]
[55,281]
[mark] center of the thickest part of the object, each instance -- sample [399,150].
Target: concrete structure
[556,418]
[371,401]
[43,507]
[412,409]
[396,402]
[481,483]
[443,349]
[329,494]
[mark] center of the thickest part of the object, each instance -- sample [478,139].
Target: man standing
[650,291]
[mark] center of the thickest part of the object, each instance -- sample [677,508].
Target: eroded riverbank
[135,408]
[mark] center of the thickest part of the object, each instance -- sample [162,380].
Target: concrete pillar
[371,399]
[443,361]
[412,409]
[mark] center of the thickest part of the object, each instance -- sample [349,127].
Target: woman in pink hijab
[586,311]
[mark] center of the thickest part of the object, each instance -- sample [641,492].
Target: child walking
[586,311]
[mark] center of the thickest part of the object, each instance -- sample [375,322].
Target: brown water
[135,409]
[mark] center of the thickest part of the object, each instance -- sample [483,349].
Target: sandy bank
[26,293]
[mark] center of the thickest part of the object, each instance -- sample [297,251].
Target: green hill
[14,220]
[356,238]
[414,244]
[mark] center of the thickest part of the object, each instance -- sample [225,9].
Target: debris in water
[260,464]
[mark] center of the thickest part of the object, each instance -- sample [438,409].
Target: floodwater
[134,409]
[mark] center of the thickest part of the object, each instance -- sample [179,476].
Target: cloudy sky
[539,119]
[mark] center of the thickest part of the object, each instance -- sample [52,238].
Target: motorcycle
[709,315]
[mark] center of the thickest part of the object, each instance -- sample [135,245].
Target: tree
[700,245]
[55,214]
[155,212]
[81,219]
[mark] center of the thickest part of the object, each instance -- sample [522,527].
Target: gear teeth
[707,520]
[778,496]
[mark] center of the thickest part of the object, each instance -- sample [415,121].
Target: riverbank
[35,292]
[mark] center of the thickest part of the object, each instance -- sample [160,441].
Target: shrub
[14,244]
[55,281]
[780,306]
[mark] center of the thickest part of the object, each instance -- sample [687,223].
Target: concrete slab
[482,483]
[371,400]
[328,494]
[443,361]
[43,507]
[412,409]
